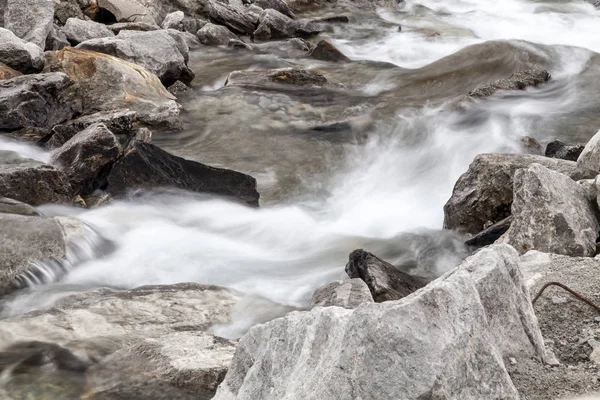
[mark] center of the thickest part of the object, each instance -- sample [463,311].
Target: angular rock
[35,101]
[518,81]
[230,16]
[174,20]
[157,51]
[133,26]
[7,72]
[18,54]
[484,193]
[349,293]
[11,206]
[588,162]
[215,35]
[558,149]
[238,44]
[551,213]
[127,11]
[65,9]
[103,83]
[86,156]
[78,31]
[384,280]
[275,25]
[56,40]
[325,51]
[193,25]
[490,234]
[31,20]
[147,166]
[184,41]
[286,76]
[278,5]
[178,88]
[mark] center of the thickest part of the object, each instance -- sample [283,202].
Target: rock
[551,213]
[385,281]
[588,162]
[97,199]
[143,135]
[275,25]
[31,20]
[132,26]
[7,72]
[286,76]
[277,5]
[485,192]
[193,25]
[18,54]
[441,342]
[157,51]
[327,52]
[78,31]
[147,166]
[103,83]
[518,81]
[178,88]
[65,9]
[174,20]
[531,145]
[490,234]
[11,206]
[185,42]
[127,11]
[86,157]
[30,134]
[32,182]
[215,35]
[230,16]
[56,40]
[349,293]
[239,44]
[35,101]
[558,149]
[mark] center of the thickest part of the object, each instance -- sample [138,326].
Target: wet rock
[147,166]
[325,51]
[485,192]
[127,11]
[531,145]
[588,162]
[215,35]
[18,54]
[35,101]
[31,20]
[157,51]
[193,25]
[178,88]
[174,20]
[7,72]
[558,149]
[385,281]
[490,234]
[86,156]
[286,76]
[518,81]
[142,135]
[239,44]
[78,31]
[551,213]
[349,293]
[11,206]
[278,5]
[103,83]
[56,40]
[275,25]
[97,199]
[133,26]
[30,134]
[230,16]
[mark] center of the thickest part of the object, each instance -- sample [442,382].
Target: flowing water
[379,183]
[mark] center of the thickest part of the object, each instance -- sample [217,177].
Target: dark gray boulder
[18,54]
[558,149]
[325,51]
[31,20]
[275,25]
[234,18]
[278,5]
[77,31]
[56,39]
[215,35]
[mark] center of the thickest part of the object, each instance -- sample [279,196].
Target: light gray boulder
[588,162]
[551,213]
[233,16]
[482,196]
[128,11]
[11,206]
[215,35]
[31,20]
[77,31]
[275,25]
[349,293]
[174,20]
[18,54]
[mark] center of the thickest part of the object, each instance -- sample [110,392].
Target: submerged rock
[287,76]
[325,51]
[558,149]
[215,35]
[18,54]
[31,20]
[275,25]
[518,81]
[78,31]
[349,293]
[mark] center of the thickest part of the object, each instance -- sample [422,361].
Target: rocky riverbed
[285,199]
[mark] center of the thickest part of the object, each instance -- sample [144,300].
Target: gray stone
[174,20]
[215,35]
[551,213]
[18,54]
[128,11]
[56,40]
[193,25]
[65,9]
[184,42]
[275,25]
[31,20]
[231,16]
[278,5]
[349,293]
[133,26]
[588,162]
[283,76]
[97,199]
[11,206]
[85,157]
[558,149]
[483,195]
[78,31]
[178,88]
[490,234]
[325,51]
[518,81]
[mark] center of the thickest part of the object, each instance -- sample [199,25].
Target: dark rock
[22,356]
[133,26]
[325,51]
[275,25]
[31,20]
[531,146]
[56,40]
[31,134]
[97,199]
[78,31]
[215,35]
[143,135]
[333,19]
[518,81]
[232,17]
[349,293]
[18,54]
[7,72]
[147,166]
[384,280]
[178,88]
[278,5]
[238,44]
[286,76]
[558,149]
[11,206]
[193,25]
[490,234]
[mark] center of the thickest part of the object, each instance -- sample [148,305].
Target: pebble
[513,361]
[559,300]
[597,319]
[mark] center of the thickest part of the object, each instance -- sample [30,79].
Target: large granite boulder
[275,25]
[18,54]
[147,166]
[551,213]
[349,293]
[77,31]
[483,195]
[31,20]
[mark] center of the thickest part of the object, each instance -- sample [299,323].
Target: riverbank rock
[18,54]
[127,11]
[483,195]
[588,162]
[277,5]
[31,20]
[103,83]
[325,51]
[232,16]
[551,213]
[349,293]
[173,20]
[518,81]
[7,72]
[215,35]
[384,280]
[11,206]
[77,31]
[56,40]
[275,25]
[147,166]
[558,149]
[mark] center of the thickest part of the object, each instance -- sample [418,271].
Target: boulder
[174,20]
[147,166]
[215,35]
[65,9]
[558,149]
[278,5]
[133,26]
[103,83]
[588,162]
[11,206]
[490,234]
[551,213]
[275,25]
[193,25]
[157,51]
[32,182]
[31,20]
[349,293]
[7,72]
[231,16]
[520,80]
[35,101]
[18,54]
[325,51]
[77,31]
[284,76]
[127,11]
[87,156]
[56,39]
[482,196]
[385,281]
